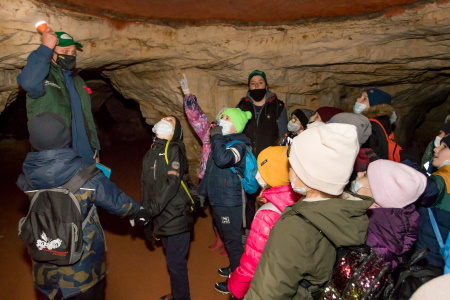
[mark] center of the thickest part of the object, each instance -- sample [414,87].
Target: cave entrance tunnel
[117,119]
[120,120]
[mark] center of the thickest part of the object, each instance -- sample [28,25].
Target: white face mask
[437,141]
[355,186]
[447,162]
[359,108]
[226,126]
[298,190]
[163,127]
[260,180]
[393,117]
[292,127]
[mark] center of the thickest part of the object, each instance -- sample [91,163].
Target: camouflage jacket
[53,168]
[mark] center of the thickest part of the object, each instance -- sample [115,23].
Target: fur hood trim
[379,111]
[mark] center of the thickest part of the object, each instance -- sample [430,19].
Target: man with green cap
[52,84]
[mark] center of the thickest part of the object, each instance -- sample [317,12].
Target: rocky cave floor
[135,271]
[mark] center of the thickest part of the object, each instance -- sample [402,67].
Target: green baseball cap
[66,40]
[257,72]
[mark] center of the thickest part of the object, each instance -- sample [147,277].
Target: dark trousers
[177,248]
[229,223]
[97,292]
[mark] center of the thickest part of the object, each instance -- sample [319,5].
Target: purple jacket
[200,124]
[392,232]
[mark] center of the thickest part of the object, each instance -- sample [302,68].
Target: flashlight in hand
[41,26]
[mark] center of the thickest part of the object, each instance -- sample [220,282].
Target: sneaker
[224,272]
[222,287]
[166,297]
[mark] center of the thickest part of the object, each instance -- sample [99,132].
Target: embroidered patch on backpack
[225,220]
[175,165]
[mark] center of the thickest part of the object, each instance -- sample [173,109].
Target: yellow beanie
[273,165]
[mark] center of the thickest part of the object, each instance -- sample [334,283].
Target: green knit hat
[257,72]
[66,40]
[238,117]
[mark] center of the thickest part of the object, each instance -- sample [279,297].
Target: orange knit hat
[273,165]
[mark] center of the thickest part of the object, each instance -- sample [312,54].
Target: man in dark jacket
[53,166]
[165,195]
[52,84]
[268,123]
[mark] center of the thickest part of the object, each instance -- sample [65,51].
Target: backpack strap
[269,206]
[381,125]
[79,179]
[436,229]
[312,224]
[166,157]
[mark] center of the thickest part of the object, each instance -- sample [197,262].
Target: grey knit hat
[363,127]
[48,131]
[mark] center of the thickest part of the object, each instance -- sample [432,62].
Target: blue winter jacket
[427,238]
[53,168]
[220,184]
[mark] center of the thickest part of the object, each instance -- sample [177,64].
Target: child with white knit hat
[322,160]
[393,219]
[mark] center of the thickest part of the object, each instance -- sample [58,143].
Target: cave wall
[406,52]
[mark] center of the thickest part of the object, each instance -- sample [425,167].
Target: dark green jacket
[296,250]
[46,91]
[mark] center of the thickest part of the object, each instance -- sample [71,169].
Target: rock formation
[309,63]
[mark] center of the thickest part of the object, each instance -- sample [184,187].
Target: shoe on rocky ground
[224,272]
[222,287]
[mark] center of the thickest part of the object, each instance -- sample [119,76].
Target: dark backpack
[53,227]
[358,273]
[407,277]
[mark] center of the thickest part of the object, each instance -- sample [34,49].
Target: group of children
[337,165]
[326,183]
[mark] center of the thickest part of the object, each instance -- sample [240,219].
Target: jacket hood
[378,111]
[50,168]
[343,220]
[281,196]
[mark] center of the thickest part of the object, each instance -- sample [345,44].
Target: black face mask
[258,94]
[67,62]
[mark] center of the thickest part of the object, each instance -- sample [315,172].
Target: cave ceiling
[314,53]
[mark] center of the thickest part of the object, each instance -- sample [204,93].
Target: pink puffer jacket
[280,196]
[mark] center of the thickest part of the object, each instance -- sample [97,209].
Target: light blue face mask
[359,108]
[226,126]
[355,186]
[393,117]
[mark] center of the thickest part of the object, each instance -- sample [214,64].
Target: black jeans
[177,248]
[229,223]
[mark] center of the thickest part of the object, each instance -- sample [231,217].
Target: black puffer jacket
[162,192]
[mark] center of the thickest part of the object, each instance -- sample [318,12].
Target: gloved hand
[215,130]
[184,85]
[142,217]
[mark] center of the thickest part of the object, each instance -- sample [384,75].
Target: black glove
[216,130]
[142,217]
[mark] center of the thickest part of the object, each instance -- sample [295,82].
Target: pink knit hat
[323,156]
[394,185]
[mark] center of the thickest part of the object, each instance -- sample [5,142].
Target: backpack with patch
[248,180]
[393,148]
[53,227]
[358,273]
